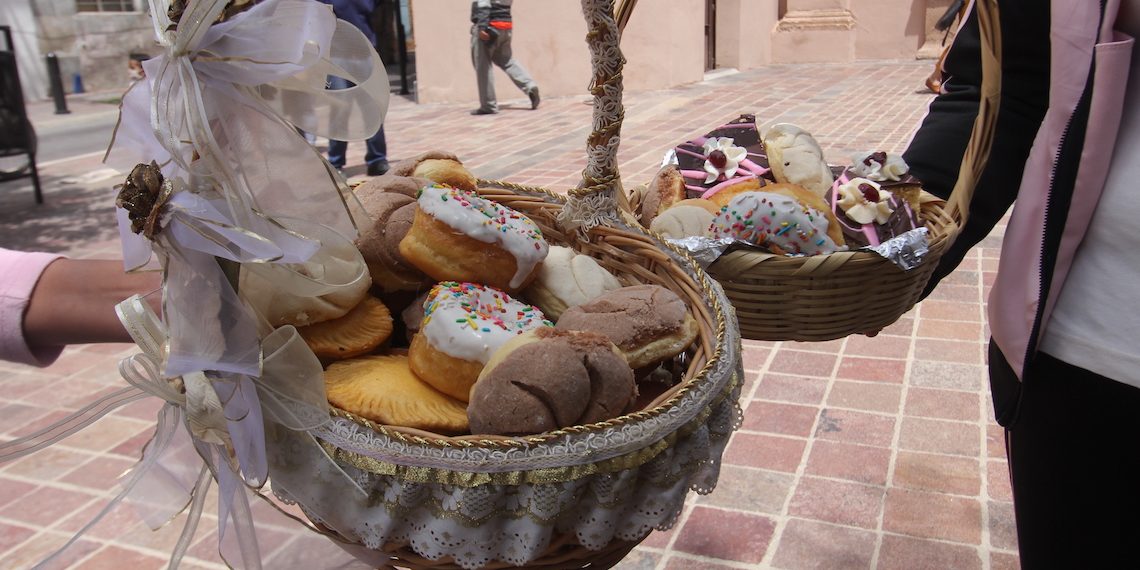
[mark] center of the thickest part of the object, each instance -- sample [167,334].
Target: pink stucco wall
[663,43]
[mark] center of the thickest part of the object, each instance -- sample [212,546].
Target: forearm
[74,302]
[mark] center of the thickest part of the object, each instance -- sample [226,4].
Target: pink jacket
[19,273]
[1064,175]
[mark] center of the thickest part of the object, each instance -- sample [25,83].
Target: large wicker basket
[578,497]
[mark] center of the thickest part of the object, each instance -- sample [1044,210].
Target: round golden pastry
[548,379]
[391,206]
[460,236]
[463,325]
[360,331]
[437,166]
[648,323]
[384,390]
[446,171]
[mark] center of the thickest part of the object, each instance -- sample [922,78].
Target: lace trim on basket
[476,525]
[572,456]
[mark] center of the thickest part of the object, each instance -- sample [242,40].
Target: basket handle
[596,200]
[982,136]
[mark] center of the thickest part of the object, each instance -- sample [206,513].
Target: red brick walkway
[860,453]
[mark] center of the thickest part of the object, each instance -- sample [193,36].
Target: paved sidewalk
[859,453]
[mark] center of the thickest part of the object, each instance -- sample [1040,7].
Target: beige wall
[663,45]
[664,41]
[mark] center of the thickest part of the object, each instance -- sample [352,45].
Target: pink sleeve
[19,273]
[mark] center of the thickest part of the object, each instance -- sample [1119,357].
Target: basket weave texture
[574,498]
[832,296]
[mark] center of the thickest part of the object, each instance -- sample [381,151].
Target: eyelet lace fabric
[511,523]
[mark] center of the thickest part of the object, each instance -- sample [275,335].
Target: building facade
[667,42]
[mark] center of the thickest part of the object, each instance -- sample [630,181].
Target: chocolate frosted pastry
[884,168]
[868,213]
[547,379]
[648,323]
[725,155]
[391,205]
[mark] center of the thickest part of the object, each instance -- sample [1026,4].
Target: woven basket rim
[700,277]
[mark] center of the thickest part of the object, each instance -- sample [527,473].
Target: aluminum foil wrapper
[906,250]
[669,158]
[704,250]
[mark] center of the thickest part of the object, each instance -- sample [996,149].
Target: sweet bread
[779,222]
[547,379]
[648,323]
[686,218]
[796,157]
[340,265]
[391,205]
[724,193]
[437,166]
[460,236]
[384,390]
[463,325]
[358,332]
[666,189]
[568,278]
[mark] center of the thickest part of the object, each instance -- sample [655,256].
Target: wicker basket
[826,297]
[579,497]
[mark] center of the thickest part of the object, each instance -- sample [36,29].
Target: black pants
[1073,441]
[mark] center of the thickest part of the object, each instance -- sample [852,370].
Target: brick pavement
[858,453]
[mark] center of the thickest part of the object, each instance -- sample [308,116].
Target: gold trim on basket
[529,476]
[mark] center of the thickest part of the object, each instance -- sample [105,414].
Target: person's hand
[484,36]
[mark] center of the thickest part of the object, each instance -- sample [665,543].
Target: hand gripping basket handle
[596,200]
[981,137]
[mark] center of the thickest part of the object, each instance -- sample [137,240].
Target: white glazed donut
[464,324]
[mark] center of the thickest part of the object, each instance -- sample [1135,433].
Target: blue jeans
[376,147]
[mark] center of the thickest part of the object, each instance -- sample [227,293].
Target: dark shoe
[482,111]
[534,99]
[378,168]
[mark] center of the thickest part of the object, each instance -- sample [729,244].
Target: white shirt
[1096,323]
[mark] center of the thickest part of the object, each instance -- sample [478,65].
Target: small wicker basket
[579,497]
[827,297]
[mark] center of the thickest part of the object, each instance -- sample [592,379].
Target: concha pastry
[648,323]
[547,379]
[391,205]
[568,278]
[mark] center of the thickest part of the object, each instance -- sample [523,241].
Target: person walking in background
[358,13]
[491,43]
[1063,359]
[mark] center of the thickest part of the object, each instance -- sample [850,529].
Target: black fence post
[56,80]
[402,46]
